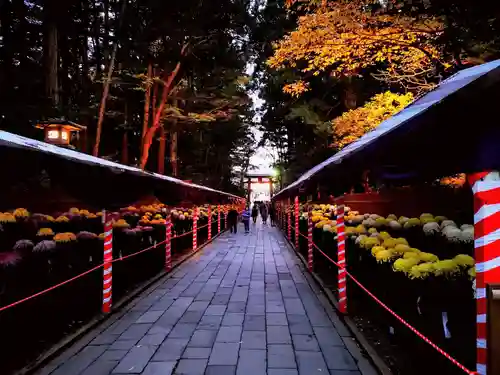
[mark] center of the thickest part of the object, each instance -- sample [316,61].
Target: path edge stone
[106,320]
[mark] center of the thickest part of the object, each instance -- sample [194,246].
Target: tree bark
[161,151]
[148,139]
[147,97]
[173,153]
[350,95]
[125,147]
[105,90]
[51,54]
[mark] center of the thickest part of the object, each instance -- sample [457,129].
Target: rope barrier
[388,309]
[13,304]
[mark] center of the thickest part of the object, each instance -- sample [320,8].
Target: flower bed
[421,267]
[41,250]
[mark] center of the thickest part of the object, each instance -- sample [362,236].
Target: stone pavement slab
[243,306]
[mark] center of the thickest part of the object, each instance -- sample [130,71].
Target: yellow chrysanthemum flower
[21,213]
[65,237]
[45,232]
[464,260]
[421,271]
[405,265]
[121,224]
[62,219]
[7,218]
[384,256]
[376,249]
[384,235]
[413,222]
[428,257]
[446,267]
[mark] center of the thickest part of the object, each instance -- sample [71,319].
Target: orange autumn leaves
[342,39]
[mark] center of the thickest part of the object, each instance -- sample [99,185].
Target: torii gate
[259,179]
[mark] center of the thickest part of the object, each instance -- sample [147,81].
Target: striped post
[209,223]
[195,228]
[310,240]
[342,286]
[225,216]
[289,219]
[283,215]
[108,259]
[297,223]
[218,218]
[486,190]
[168,244]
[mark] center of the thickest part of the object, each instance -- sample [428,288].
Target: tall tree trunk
[125,147]
[51,54]
[161,150]
[125,136]
[174,137]
[148,139]
[173,153]
[105,90]
[147,97]
[350,94]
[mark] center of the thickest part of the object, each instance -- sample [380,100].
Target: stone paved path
[242,306]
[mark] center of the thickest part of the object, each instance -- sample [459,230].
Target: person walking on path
[272,213]
[264,213]
[232,219]
[245,217]
[255,212]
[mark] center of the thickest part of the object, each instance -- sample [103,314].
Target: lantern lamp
[60,132]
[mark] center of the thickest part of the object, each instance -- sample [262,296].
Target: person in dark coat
[255,212]
[264,213]
[232,219]
[272,213]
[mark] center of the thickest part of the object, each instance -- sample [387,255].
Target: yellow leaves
[343,39]
[354,123]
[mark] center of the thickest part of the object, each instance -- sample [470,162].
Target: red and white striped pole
[297,222]
[310,240]
[283,215]
[195,228]
[486,190]
[209,222]
[342,286]
[108,259]
[218,218]
[289,220]
[168,244]
[225,217]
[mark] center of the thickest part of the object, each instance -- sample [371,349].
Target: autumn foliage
[354,123]
[345,37]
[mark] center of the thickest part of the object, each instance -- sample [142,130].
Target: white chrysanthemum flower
[393,224]
[466,226]
[467,235]
[358,219]
[327,228]
[369,222]
[374,234]
[366,216]
[447,223]
[431,228]
[374,216]
[452,233]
